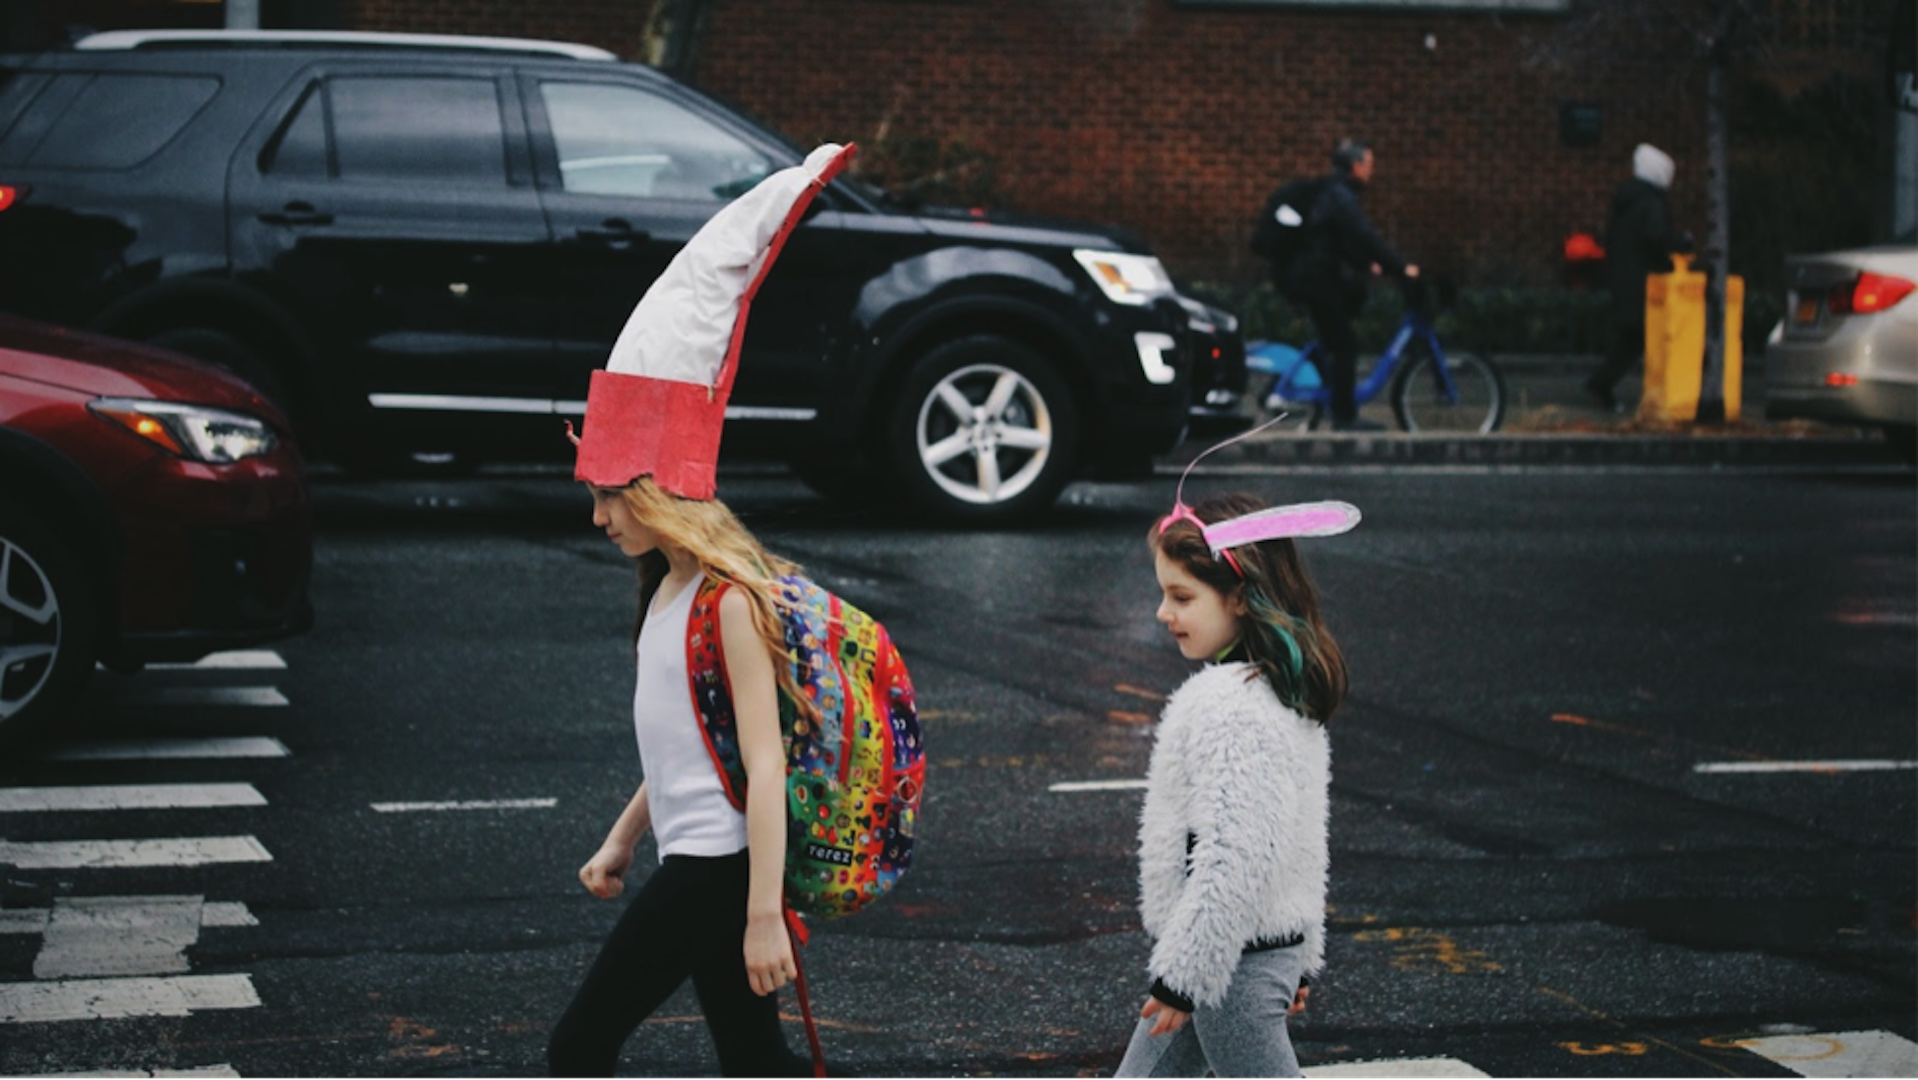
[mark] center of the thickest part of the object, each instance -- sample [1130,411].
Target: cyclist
[1328,277]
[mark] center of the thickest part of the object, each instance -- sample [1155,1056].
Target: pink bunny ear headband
[1274,523]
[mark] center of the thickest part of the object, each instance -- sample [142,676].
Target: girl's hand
[604,875]
[769,953]
[1298,1001]
[1170,1019]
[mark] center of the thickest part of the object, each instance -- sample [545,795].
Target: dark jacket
[1638,241]
[1341,245]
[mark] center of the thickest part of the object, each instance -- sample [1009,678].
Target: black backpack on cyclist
[1280,233]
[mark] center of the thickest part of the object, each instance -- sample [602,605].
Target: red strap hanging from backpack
[800,935]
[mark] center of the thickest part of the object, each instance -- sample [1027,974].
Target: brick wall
[1175,121]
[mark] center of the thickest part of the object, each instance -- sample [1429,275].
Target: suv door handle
[297,213]
[615,233]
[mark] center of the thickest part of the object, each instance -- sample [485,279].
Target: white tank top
[691,815]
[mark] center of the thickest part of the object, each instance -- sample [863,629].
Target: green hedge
[1487,320]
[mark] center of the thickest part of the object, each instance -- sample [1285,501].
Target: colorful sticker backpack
[853,779]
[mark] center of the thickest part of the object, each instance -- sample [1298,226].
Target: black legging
[1332,321]
[689,919]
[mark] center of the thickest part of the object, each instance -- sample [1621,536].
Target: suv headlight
[194,432]
[1134,280]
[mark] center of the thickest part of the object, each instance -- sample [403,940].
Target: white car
[1847,349]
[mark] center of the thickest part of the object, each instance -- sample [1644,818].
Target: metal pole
[242,14]
[1711,390]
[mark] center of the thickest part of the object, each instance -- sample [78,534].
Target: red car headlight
[195,432]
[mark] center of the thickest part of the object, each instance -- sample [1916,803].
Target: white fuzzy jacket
[1247,779]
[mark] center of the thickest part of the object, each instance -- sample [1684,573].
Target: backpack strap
[712,689]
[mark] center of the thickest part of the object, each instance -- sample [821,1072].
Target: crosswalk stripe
[1839,1053]
[115,854]
[1440,1067]
[204,1070]
[249,746]
[221,913]
[1880,765]
[470,804]
[1097,785]
[214,695]
[22,800]
[108,936]
[232,660]
[104,999]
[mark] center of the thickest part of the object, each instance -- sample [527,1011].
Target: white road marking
[102,999]
[1801,766]
[96,936]
[113,854]
[215,913]
[235,660]
[1098,785]
[214,695]
[1442,1067]
[128,797]
[1839,1053]
[204,1070]
[472,804]
[249,746]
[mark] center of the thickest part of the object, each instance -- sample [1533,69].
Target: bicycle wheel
[1420,400]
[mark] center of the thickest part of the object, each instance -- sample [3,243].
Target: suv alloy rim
[984,434]
[29,628]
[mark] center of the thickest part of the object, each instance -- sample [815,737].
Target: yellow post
[1734,345]
[1674,342]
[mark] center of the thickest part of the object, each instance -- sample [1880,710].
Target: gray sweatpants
[1243,1035]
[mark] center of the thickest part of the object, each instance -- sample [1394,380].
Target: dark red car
[152,508]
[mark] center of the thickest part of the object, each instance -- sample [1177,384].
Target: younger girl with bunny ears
[1232,840]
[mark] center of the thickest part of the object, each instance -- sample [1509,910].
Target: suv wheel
[984,430]
[46,624]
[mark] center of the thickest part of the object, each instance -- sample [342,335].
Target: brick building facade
[1175,117]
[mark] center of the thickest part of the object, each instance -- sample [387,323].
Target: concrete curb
[1398,448]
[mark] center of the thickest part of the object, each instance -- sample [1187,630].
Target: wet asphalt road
[1530,872]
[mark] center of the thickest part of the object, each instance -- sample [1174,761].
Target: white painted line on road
[111,936]
[1800,766]
[249,746]
[227,913]
[115,854]
[234,660]
[23,920]
[25,800]
[202,1073]
[1098,785]
[1442,1067]
[1839,1053]
[104,999]
[214,695]
[471,804]
[221,913]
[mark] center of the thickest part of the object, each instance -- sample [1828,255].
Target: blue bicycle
[1431,389]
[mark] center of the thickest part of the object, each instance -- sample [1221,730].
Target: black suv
[422,245]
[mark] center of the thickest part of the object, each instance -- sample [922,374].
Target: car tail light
[10,195]
[1870,293]
[1840,379]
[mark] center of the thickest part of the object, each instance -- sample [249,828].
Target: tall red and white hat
[657,408]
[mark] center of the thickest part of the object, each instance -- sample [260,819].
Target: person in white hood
[1639,240]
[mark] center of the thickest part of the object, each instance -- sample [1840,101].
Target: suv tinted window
[444,130]
[618,140]
[108,121]
[300,148]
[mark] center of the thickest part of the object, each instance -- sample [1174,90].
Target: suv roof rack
[146,39]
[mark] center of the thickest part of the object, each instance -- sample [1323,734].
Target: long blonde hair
[708,530]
